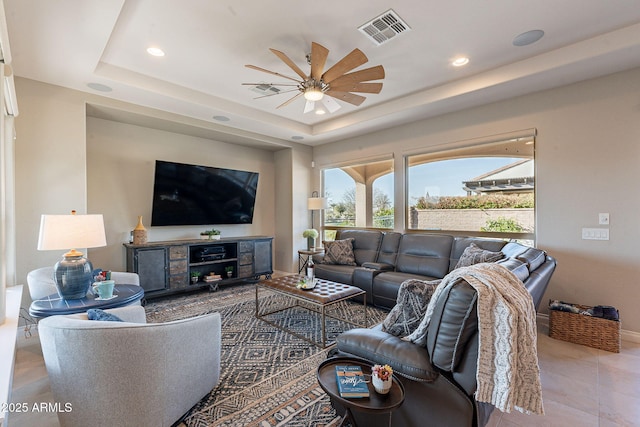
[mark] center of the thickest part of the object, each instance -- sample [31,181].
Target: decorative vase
[311,243]
[382,387]
[139,233]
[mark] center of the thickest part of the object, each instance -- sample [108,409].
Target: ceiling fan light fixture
[313,94]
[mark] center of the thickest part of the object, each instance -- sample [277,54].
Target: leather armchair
[440,377]
[129,373]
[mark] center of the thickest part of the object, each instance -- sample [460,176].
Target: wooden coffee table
[324,295]
[375,403]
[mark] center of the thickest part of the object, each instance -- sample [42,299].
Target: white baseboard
[8,334]
[625,335]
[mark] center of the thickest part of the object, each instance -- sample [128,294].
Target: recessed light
[221,118]
[320,112]
[99,87]
[528,37]
[297,137]
[155,51]
[459,62]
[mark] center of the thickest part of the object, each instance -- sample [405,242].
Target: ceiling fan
[337,82]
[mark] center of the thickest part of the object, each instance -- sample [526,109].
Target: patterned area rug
[268,376]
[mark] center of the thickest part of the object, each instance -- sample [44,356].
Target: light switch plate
[595,234]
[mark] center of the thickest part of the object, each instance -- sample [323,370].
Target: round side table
[54,305]
[376,403]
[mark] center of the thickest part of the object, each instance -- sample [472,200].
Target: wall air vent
[384,27]
[265,89]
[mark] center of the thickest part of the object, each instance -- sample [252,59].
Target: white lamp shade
[316,203]
[63,232]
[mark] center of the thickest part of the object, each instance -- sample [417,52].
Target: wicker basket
[585,330]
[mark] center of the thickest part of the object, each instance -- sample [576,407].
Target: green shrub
[503,225]
[493,201]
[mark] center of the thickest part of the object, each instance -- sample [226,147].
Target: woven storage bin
[585,330]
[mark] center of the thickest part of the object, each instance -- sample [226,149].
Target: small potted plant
[229,270]
[311,234]
[212,234]
[381,377]
[195,276]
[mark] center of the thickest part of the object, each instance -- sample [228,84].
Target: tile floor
[582,386]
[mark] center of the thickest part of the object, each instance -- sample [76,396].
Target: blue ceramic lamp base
[73,276]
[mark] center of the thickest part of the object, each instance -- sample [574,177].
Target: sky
[443,178]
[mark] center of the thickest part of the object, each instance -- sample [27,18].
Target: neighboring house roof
[515,177]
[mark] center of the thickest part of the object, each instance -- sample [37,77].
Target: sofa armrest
[378,266]
[378,347]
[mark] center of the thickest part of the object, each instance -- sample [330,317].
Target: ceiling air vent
[384,27]
[265,89]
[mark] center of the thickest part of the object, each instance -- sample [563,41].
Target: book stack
[351,381]
[212,277]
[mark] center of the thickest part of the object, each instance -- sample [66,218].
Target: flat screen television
[186,194]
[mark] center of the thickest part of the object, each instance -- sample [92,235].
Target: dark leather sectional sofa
[439,378]
[386,259]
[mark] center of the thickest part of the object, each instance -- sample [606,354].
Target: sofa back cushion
[462,243]
[533,257]
[424,254]
[452,335]
[389,248]
[365,243]
[517,267]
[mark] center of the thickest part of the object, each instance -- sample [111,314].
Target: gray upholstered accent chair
[129,373]
[41,283]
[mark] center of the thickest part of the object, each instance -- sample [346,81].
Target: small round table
[54,305]
[303,257]
[377,403]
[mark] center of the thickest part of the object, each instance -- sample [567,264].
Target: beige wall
[66,160]
[587,152]
[587,155]
[121,163]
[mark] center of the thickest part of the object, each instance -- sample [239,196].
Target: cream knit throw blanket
[508,375]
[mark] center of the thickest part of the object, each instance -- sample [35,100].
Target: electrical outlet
[603,218]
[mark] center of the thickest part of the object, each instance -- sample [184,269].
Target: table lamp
[73,274]
[315,203]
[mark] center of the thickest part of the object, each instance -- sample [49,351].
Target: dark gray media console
[166,267]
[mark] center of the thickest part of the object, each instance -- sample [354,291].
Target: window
[484,189]
[359,196]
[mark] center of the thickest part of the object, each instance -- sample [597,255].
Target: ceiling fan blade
[253,67]
[290,63]
[289,101]
[330,104]
[309,106]
[319,55]
[351,98]
[356,87]
[353,60]
[373,73]
[274,94]
[270,84]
